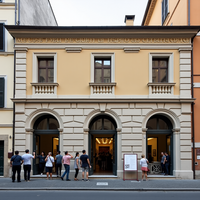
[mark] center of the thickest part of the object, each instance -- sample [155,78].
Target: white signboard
[130,162]
[198,157]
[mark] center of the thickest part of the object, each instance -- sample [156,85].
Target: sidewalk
[100,184]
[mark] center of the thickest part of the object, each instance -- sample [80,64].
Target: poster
[130,162]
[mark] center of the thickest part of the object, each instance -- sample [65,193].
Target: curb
[104,189]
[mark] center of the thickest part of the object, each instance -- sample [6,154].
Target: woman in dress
[143,163]
[76,165]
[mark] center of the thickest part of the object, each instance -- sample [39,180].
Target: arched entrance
[159,137]
[45,138]
[103,146]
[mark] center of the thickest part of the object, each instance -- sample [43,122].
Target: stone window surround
[35,65]
[170,56]
[96,55]
[5,89]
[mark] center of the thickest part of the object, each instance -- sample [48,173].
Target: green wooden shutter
[2,92]
[2,37]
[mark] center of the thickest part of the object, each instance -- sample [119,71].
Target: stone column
[119,153]
[86,140]
[144,130]
[176,152]
[61,140]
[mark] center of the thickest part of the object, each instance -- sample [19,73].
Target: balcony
[106,89]
[163,89]
[49,89]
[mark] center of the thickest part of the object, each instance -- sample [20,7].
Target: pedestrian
[27,164]
[162,162]
[85,164]
[76,165]
[66,161]
[166,163]
[143,163]
[16,162]
[49,165]
[58,163]
[41,162]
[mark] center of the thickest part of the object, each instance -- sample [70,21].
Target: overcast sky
[97,12]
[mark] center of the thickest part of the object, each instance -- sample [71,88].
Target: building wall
[30,10]
[73,71]
[41,15]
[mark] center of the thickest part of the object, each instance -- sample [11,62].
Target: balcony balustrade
[44,88]
[161,88]
[102,88]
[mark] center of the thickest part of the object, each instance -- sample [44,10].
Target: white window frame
[105,55]
[5,89]
[35,65]
[170,57]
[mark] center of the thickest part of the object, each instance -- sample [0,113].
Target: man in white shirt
[27,164]
[49,165]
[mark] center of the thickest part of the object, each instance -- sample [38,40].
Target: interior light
[150,138]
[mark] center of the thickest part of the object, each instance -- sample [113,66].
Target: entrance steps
[103,177]
[161,177]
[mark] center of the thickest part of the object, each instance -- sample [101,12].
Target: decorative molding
[104,99]
[97,112]
[168,113]
[6,125]
[39,112]
[6,53]
[150,12]
[185,49]
[165,46]
[131,50]
[29,130]
[73,49]
[21,49]
[100,40]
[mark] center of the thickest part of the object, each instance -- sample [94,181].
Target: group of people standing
[165,160]
[47,163]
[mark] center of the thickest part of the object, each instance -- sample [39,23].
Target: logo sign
[198,151]
[102,183]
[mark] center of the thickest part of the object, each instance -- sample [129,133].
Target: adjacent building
[182,13]
[14,12]
[108,90]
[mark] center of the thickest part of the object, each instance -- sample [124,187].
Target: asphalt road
[97,195]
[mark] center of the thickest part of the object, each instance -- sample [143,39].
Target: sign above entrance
[130,162]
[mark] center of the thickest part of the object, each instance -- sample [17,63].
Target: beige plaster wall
[131,71]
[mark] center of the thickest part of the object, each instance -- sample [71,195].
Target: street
[97,195]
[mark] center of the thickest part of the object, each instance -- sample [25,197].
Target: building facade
[108,90]
[14,12]
[182,13]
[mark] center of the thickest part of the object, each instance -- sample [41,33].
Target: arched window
[159,122]
[102,122]
[46,122]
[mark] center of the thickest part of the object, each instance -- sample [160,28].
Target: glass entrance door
[1,158]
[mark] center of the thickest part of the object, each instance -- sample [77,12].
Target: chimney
[129,20]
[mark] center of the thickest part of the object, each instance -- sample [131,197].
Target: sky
[97,12]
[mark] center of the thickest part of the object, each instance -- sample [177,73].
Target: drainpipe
[192,86]
[18,12]
[15,12]
[13,132]
[188,12]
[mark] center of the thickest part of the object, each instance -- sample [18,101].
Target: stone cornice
[103,100]
[150,12]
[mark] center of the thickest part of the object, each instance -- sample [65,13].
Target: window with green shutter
[2,37]
[165,10]
[2,92]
